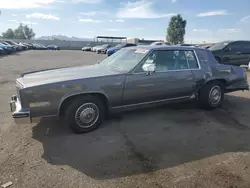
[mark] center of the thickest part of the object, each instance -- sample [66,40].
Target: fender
[65,97]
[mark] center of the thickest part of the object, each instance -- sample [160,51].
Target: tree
[176,30]
[28,32]
[19,32]
[9,34]
[22,32]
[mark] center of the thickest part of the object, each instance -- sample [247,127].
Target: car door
[168,82]
[233,54]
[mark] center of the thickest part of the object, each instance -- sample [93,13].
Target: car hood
[65,74]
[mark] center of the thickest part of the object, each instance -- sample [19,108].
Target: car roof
[167,47]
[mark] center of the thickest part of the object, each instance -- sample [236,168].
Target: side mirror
[149,68]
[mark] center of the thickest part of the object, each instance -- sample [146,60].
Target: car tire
[211,95]
[85,114]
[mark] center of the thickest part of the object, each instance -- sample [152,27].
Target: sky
[207,20]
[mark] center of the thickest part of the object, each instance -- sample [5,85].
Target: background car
[103,48]
[232,52]
[19,47]
[159,43]
[1,51]
[86,48]
[14,48]
[39,46]
[111,51]
[7,49]
[95,48]
[53,47]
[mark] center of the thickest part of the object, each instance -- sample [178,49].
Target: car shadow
[148,140]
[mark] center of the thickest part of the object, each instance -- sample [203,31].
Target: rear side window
[236,46]
[246,47]
[191,59]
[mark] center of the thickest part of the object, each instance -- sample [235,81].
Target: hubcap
[87,115]
[215,95]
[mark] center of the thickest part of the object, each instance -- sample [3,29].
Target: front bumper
[21,116]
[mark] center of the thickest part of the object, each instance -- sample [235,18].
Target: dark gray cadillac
[131,78]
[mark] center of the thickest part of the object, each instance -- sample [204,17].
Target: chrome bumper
[21,116]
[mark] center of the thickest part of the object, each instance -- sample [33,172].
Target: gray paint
[128,89]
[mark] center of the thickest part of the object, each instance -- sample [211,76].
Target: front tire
[85,114]
[211,95]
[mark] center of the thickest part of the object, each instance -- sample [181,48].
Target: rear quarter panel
[211,70]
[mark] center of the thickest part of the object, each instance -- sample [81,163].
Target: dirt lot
[170,146]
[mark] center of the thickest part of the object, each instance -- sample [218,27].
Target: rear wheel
[85,114]
[211,95]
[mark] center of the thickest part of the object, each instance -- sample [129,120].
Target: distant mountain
[62,37]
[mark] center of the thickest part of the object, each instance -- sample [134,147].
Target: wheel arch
[222,80]
[67,99]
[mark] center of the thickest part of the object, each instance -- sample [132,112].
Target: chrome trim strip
[163,100]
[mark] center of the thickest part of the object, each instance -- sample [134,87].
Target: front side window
[235,47]
[171,60]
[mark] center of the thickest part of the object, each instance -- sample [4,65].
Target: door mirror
[149,67]
[227,49]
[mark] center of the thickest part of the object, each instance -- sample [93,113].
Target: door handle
[238,53]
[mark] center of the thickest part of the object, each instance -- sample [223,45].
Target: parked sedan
[15,48]
[19,47]
[103,48]
[232,52]
[1,51]
[111,51]
[86,48]
[7,49]
[53,47]
[132,78]
[40,47]
[93,49]
[159,43]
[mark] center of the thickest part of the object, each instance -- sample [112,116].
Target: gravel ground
[170,146]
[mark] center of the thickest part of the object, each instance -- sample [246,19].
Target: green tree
[9,34]
[176,30]
[19,32]
[28,32]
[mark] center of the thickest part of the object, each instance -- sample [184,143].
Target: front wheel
[211,95]
[85,114]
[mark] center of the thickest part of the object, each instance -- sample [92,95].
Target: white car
[159,43]
[94,49]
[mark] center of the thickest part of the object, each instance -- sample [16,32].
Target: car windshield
[219,46]
[125,59]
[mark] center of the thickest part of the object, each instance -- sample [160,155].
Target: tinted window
[236,46]
[246,47]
